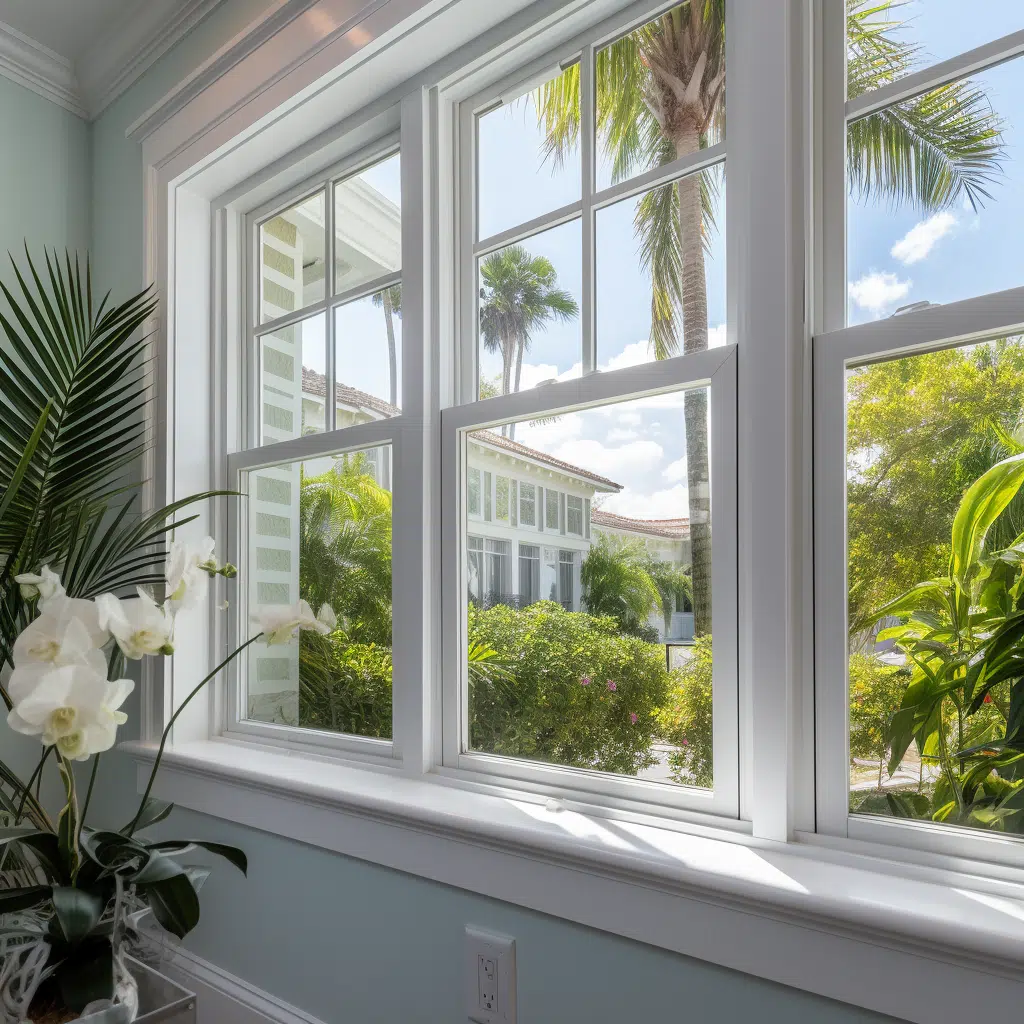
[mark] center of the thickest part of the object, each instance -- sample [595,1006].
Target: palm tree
[673,585]
[615,582]
[518,295]
[661,96]
[391,300]
[345,548]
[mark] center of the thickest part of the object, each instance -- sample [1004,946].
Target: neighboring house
[531,518]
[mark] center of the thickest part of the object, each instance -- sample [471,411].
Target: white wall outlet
[490,977]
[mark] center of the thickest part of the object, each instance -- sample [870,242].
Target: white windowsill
[918,942]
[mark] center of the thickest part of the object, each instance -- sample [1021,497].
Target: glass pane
[640,123]
[368,357]
[576,610]
[530,297]
[320,531]
[368,224]
[889,40]
[292,259]
[526,164]
[924,433]
[656,238]
[292,391]
[947,231]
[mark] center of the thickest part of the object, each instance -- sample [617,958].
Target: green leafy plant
[686,719]
[876,691]
[569,688]
[963,637]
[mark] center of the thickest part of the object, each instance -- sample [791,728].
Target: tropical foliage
[686,720]
[577,692]
[73,392]
[962,634]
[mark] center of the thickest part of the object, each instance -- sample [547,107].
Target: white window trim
[714,369]
[312,87]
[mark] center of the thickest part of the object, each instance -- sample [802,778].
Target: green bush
[574,691]
[344,686]
[686,720]
[876,690]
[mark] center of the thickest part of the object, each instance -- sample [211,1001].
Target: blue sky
[901,255]
[895,256]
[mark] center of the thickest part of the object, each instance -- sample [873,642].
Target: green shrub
[686,720]
[344,686]
[574,691]
[876,690]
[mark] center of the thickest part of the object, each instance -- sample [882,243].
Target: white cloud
[675,470]
[627,459]
[673,503]
[544,436]
[915,245]
[877,291]
[617,435]
[630,419]
[534,373]
[632,355]
[717,336]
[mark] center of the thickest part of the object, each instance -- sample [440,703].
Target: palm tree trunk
[520,348]
[389,320]
[695,408]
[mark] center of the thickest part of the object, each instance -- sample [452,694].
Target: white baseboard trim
[223,998]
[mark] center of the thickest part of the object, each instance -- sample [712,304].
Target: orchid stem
[130,830]
[92,782]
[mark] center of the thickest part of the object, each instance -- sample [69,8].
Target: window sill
[920,942]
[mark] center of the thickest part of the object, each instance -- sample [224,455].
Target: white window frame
[836,349]
[714,369]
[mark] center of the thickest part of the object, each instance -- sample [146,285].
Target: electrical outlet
[490,977]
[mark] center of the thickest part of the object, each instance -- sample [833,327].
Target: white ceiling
[69,27]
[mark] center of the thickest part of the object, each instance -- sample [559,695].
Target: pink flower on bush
[611,685]
[633,716]
[585,681]
[685,742]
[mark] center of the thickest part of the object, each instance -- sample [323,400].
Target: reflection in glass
[320,530]
[292,392]
[583,607]
[291,259]
[368,224]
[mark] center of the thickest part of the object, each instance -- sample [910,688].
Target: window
[574,514]
[473,494]
[475,568]
[527,504]
[920,411]
[328,345]
[551,505]
[529,574]
[320,530]
[501,498]
[561,688]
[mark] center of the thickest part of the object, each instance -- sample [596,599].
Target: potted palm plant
[86,587]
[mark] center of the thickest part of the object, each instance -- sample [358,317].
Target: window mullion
[588,131]
[415,580]
[330,370]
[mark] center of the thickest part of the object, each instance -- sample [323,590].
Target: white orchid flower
[67,632]
[189,567]
[44,585]
[72,707]
[278,623]
[139,625]
[327,617]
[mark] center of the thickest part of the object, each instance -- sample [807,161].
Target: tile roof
[673,529]
[314,383]
[497,441]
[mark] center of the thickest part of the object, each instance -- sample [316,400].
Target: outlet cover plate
[485,948]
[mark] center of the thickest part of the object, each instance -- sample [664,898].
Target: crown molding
[113,65]
[38,68]
[128,49]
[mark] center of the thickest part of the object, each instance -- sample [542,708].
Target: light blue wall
[45,173]
[345,940]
